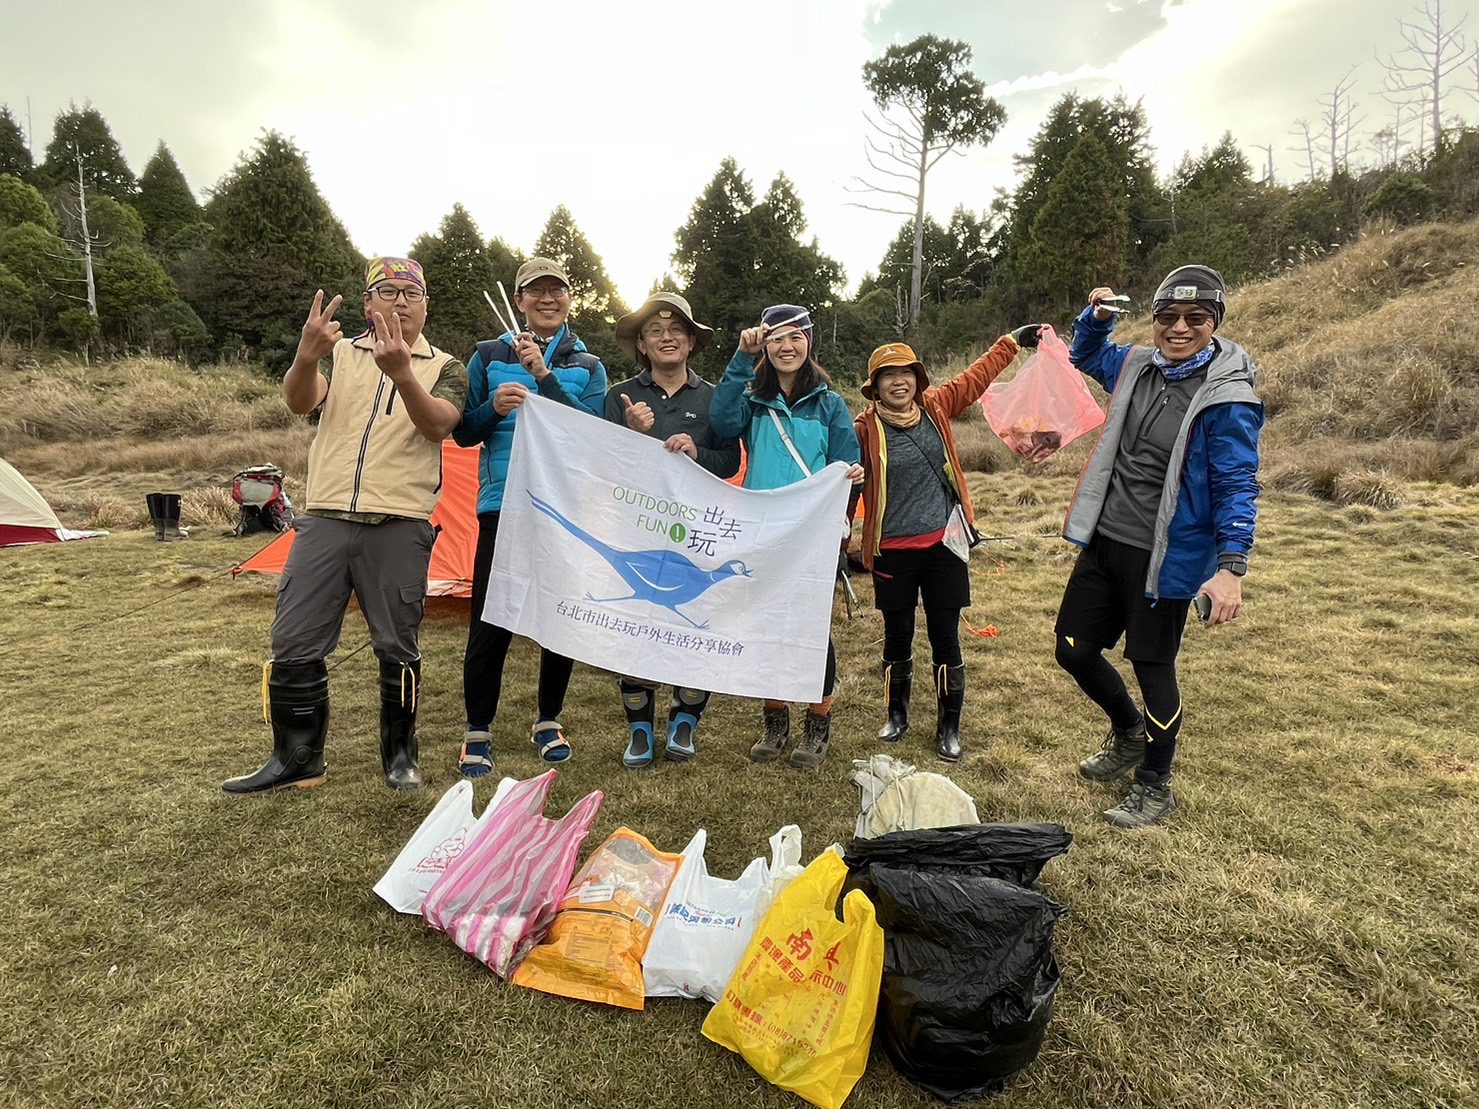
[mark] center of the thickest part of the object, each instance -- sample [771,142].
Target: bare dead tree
[1433,51]
[1339,120]
[1268,165]
[1301,129]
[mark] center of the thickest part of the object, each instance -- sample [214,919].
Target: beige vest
[368,456]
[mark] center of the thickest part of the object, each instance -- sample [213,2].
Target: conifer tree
[15,156]
[1081,235]
[594,302]
[165,200]
[83,131]
[458,270]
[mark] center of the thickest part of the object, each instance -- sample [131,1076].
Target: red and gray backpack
[265,505]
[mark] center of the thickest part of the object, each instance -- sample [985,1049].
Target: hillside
[1368,381]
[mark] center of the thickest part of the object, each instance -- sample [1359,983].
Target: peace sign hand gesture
[392,353]
[320,331]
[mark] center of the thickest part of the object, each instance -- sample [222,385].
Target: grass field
[1301,935]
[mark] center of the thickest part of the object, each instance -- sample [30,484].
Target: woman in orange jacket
[916,519]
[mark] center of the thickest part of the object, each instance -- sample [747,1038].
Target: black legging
[1104,686]
[942,625]
[487,648]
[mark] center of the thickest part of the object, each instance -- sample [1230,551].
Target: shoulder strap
[786,439]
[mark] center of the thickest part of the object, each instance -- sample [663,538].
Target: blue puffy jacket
[819,425]
[1210,500]
[576,378]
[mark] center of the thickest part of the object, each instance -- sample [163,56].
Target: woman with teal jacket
[778,401]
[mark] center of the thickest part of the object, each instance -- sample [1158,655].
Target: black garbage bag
[1012,852]
[969,975]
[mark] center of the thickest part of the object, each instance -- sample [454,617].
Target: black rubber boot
[400,689]
[898,681]
[950,699]
[155,501]
[169,504]
[298,709]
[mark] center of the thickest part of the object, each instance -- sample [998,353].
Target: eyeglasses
[1192,320]
[389,293]
[545,289]
[672,330]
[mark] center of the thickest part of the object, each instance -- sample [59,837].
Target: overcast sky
[623,111]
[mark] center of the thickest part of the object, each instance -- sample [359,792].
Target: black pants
[942,625]
[487,648]
[1104,598]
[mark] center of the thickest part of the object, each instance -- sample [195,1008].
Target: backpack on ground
[265,505]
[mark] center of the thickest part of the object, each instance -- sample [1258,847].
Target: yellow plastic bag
[801,1004]
[593,950]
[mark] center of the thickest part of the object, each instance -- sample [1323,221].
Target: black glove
[1026,335]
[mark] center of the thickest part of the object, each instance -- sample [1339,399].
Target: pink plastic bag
[497,899]
[1045,407]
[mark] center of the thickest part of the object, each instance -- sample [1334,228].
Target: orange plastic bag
[594,949]
[801,1004]
[1045,407]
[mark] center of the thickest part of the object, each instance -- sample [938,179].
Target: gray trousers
[383,565]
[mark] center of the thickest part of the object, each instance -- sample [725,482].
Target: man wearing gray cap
[548,358]
[668,401]
[1164,510]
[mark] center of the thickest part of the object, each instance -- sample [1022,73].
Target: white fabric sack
[440,839]
[896,798]
[707,923]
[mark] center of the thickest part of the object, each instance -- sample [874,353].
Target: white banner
[616,552]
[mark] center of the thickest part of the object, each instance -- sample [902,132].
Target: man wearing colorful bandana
[1164,510]
[387,399]
[668,401]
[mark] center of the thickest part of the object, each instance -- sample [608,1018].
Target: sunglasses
[1193,320]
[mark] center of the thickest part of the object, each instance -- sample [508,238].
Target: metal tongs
[1115,305]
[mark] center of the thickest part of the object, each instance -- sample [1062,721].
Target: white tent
[25,517]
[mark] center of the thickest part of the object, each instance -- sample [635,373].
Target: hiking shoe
[1120,754]
[769,746]
[1145,804]
[815,740]
[639,748]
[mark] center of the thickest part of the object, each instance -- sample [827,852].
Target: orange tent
[450,573]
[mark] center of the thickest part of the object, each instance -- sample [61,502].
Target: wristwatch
[1234,564]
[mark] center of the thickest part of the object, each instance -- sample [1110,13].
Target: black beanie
[1204,279]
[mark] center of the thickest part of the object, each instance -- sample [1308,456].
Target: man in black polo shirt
[670,402]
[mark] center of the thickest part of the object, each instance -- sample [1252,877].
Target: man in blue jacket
[1164,510]
[548,358]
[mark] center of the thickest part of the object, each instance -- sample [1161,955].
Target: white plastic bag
[707,923]
[440,839]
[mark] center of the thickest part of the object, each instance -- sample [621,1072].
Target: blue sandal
[476,757]
[549,737]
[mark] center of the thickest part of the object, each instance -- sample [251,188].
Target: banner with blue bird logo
[614,551]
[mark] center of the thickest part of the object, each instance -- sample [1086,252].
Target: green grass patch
[1302,933]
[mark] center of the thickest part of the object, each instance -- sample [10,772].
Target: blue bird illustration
[665,578]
